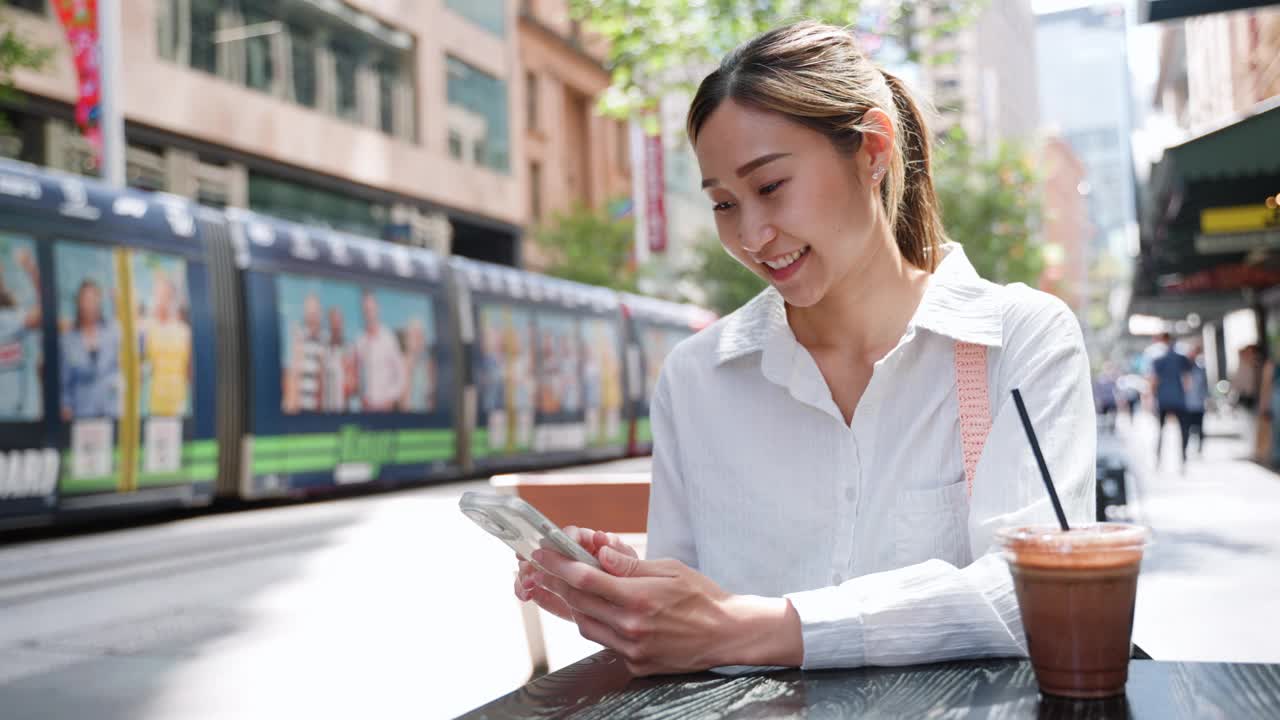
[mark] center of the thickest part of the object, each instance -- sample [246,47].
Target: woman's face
[779,188]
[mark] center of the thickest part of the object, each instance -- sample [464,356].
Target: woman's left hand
[663,617]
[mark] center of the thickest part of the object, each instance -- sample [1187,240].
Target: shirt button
[850,494]
[836,579]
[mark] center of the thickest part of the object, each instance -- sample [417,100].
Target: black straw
[1044,469]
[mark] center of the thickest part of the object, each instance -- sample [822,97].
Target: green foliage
[990,205]
[15,53]
[589,247]
[727,283]
[662,46]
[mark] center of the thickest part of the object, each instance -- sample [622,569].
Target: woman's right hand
[592,541]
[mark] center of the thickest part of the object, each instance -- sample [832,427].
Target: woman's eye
[722,206]
[768,189]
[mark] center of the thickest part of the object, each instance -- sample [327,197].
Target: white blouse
[868,528]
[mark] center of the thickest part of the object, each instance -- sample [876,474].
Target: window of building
[35,6]
[324,55]
[531,100]
[535,191]
[488,14]
[260,69]
[346,62]
[315,206]
[624,146]
[485,96]
[302,55]
[455,144]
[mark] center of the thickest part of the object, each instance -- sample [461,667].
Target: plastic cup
[1076,592]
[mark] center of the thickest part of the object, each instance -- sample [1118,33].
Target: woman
[17,322]
[821,495]
[90,359]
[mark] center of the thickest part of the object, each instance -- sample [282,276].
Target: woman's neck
[865,313]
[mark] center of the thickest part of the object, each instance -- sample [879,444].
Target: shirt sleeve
[670,534]
[934,611]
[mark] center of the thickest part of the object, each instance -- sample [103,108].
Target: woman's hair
[86,285]
[815,75]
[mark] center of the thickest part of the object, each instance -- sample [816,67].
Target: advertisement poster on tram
[349,348]
[20,336]
[602,382]
[505,381]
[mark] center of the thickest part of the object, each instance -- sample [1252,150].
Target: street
[396,606]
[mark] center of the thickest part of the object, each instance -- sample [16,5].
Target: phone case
[520,525]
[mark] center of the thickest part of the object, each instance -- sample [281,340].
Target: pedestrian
[1268,406]
[1169,370]
[1197,396]
[1104,397]
[832,459]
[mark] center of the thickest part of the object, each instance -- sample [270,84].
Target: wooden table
[600,687]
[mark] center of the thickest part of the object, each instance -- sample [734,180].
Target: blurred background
[1121,155]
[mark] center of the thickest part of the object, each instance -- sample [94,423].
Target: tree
[727,284]
[662,46]
[589,247]
[990,205]
[16,53]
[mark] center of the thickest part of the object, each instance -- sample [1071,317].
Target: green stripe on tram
[644,433]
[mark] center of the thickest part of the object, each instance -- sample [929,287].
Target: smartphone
[520,525]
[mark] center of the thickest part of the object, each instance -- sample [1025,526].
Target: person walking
[1169,372]
[1197,397]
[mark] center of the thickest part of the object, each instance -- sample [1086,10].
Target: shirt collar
[958,304]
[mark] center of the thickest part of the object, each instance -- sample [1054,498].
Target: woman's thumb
[618,563]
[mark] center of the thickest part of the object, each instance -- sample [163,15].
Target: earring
[879,173]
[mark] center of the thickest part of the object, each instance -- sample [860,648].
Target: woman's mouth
[784,266]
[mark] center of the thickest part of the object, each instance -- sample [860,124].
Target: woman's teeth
[786,260]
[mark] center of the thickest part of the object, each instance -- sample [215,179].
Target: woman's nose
[755,239]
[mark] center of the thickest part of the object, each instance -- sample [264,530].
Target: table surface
[600,687]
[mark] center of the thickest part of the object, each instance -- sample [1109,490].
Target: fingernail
[538,577]
[608,553]
[538,555]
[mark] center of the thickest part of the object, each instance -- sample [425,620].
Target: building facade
[575,157]
[1066,230]
[382,117]
[1214,67]
[985,81]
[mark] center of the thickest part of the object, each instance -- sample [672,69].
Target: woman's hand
[592,541]
[663,617]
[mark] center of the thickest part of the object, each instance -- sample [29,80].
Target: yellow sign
[1241,218]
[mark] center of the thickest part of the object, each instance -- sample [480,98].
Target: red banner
[80,21]
[655,219]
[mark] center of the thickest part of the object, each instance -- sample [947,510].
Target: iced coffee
[1076,592]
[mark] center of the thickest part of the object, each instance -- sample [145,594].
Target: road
[396,606]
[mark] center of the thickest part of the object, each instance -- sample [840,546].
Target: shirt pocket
[932,524]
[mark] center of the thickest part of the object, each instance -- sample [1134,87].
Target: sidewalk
[1209,589]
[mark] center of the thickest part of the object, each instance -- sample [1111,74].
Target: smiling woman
[831,461]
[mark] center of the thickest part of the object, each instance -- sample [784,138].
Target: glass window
[535,191]
[488,14]
[455,145]
[260,66]
[346,58]
[531,100]
[312,205]
[204,24]
[486,96]
[302,51]
[388,76]
[35,6]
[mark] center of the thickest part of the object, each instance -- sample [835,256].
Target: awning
[1207,227]
[1157,10]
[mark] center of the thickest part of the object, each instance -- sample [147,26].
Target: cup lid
[1091,538]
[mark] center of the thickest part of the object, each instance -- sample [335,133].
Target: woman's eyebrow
[747,167]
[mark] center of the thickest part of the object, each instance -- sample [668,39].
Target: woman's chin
[804,296]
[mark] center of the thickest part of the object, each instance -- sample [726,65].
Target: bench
[617,503]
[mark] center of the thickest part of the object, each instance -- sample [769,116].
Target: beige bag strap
[975,404]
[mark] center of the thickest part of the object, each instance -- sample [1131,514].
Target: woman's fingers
[608,539]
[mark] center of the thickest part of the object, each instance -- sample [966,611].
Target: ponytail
[913,213]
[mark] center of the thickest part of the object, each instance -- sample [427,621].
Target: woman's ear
[877,144]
